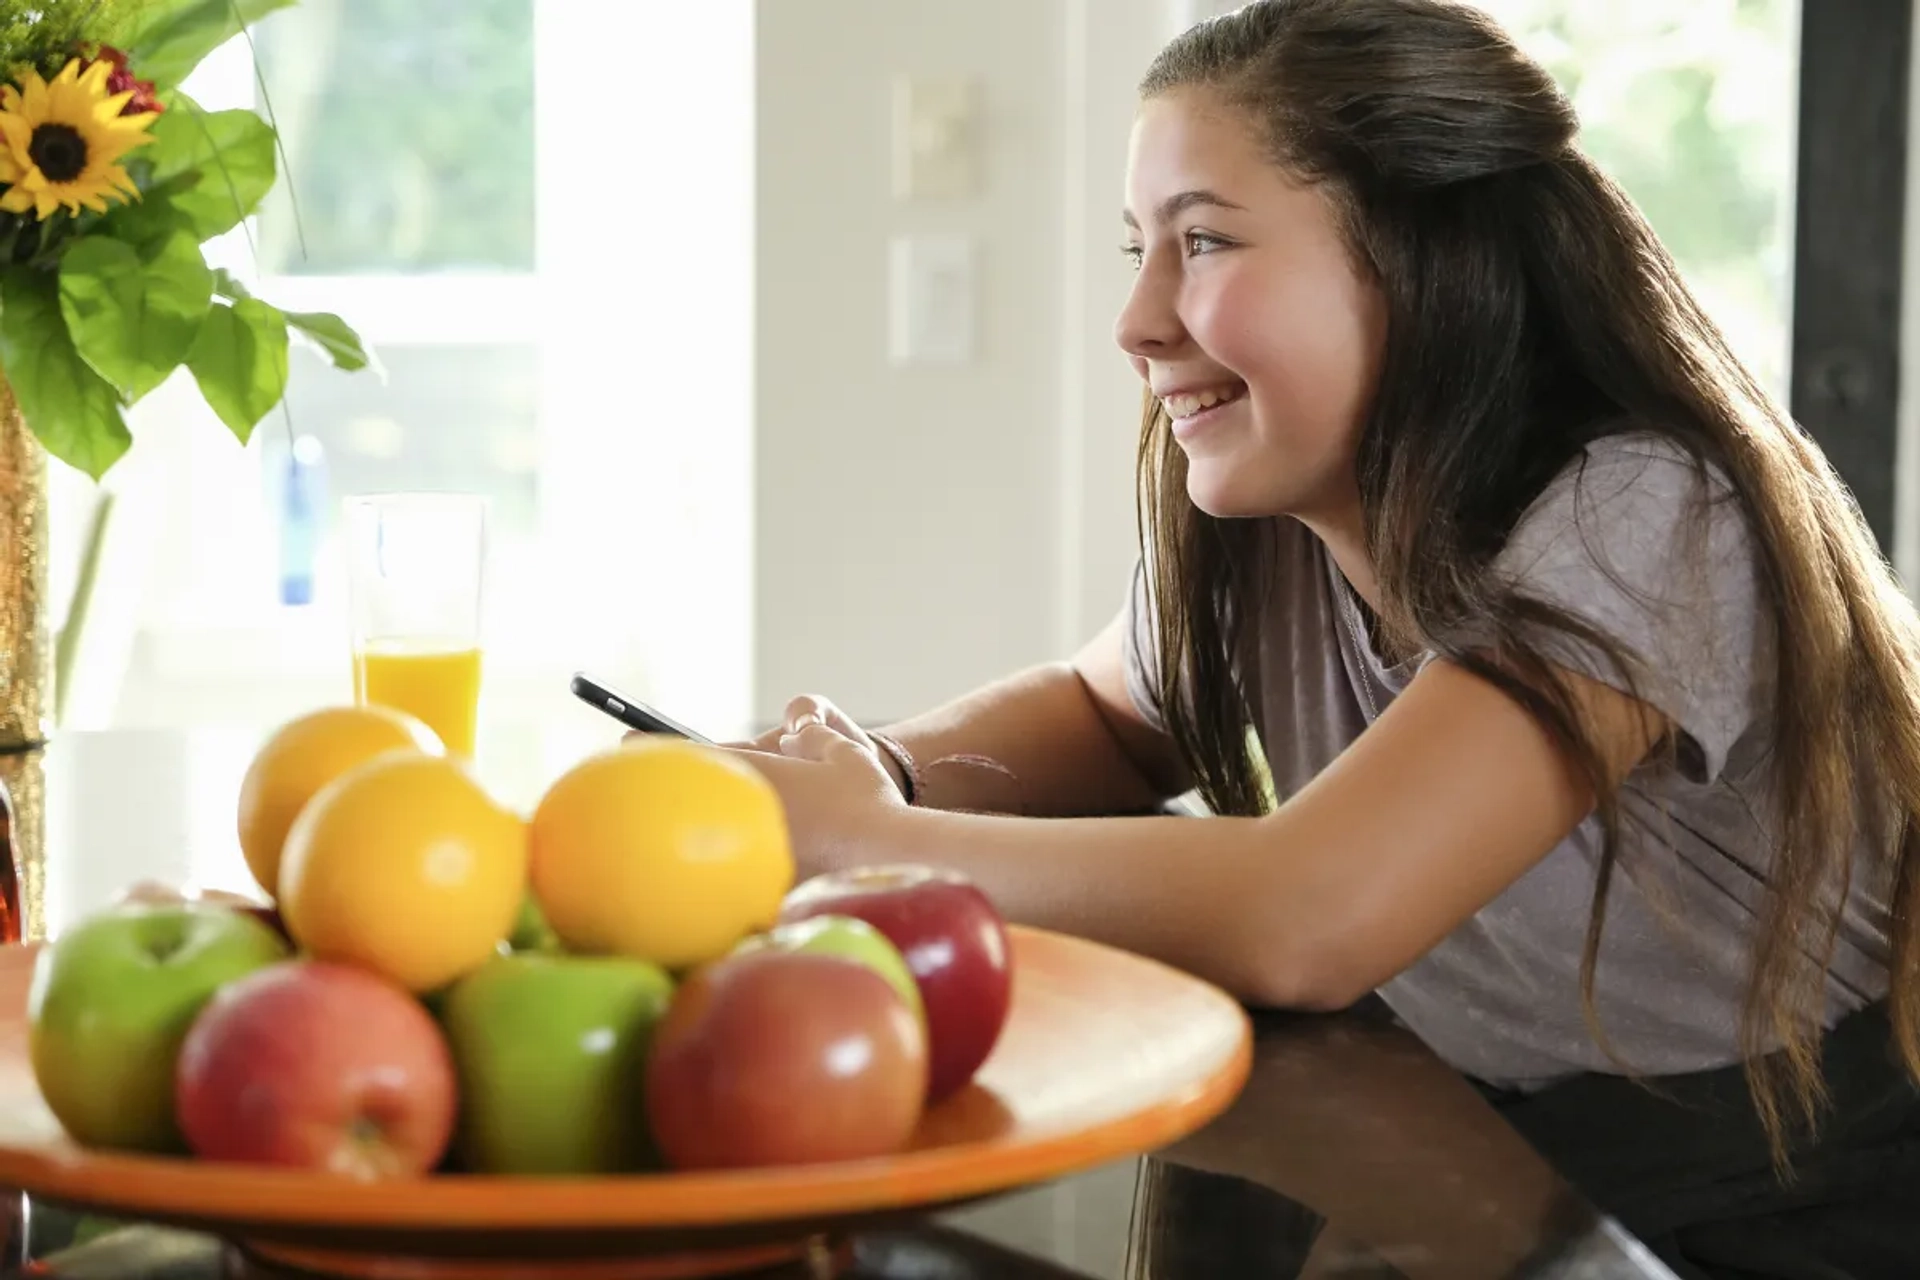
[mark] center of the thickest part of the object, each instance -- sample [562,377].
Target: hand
[833,783]
[808,710]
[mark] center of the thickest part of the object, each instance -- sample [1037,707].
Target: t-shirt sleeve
[1140,650]
[1639,542]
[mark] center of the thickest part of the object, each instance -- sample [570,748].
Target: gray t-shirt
[1628,539]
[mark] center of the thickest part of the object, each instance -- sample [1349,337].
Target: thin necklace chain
[1356,629]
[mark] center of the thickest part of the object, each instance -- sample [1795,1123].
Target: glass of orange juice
[415,564]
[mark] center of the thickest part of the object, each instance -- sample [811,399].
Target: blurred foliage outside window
[1692,107]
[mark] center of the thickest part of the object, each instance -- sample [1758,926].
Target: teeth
[1185,406]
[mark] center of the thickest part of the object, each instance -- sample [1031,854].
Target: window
[409,132]
[1691,108]
[551,256]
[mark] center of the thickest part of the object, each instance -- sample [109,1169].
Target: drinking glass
[415,562]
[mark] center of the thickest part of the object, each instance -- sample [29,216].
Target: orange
[661,849]
[405,866]
[303,756]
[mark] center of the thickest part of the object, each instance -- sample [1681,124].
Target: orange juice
[440,685]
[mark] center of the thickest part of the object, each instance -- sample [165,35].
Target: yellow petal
[108,152]
[34,105]
[44,204]
[107,109]
[17,133]
[69,73]
[15,201]
[129,124]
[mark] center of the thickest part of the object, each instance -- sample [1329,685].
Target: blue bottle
[303,505]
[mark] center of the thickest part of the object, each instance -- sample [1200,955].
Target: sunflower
[61,143]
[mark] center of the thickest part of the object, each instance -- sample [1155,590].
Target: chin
[1226,496]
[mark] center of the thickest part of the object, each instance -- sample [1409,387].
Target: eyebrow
[1173,206]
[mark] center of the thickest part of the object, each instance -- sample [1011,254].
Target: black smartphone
[629,712]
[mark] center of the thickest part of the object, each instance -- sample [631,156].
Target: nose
[1148,323]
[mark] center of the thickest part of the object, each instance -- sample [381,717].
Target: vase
[26,673]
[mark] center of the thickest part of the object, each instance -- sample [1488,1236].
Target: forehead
[1186,135]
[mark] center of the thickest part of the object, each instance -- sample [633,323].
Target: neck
[1347,544]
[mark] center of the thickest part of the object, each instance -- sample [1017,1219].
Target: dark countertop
[1352,1152]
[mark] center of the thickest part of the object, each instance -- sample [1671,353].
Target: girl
[1540,676]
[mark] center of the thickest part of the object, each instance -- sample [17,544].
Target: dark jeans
[1688,1171]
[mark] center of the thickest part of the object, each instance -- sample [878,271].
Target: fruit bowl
[1105,1055]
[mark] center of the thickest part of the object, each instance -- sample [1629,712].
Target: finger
[803,711]
[811,708]
[840,720]
[818,742]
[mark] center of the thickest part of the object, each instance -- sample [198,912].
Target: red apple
[156,893]
[266,915]
[954,941]
[785,1057]
[318,1066]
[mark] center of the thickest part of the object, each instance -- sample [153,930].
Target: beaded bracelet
[909,772]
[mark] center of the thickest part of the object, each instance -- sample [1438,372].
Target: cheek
[1308,354]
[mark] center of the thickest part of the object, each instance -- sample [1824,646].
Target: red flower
[122,80]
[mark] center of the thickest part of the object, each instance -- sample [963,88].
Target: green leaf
[149,221]
[180,143]
[227,286]
[174,35]
[134,318]
[340,342]
[211,168]
[240,362]
[72,409]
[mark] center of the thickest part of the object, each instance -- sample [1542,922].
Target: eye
[1199,242]
[1133,253]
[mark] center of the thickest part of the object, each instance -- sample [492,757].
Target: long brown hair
[1531,309]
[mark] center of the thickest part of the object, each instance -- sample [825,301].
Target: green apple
[531,932]
[848,937]
[552,1053]
[111,1000]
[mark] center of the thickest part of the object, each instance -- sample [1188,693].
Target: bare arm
[1057,740]
[1453,794]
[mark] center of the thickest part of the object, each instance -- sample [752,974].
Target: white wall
[922,529]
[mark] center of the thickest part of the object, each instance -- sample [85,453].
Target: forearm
[1195,893]
[1034,743]
[1453,795]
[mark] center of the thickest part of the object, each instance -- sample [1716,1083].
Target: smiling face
[1248,317]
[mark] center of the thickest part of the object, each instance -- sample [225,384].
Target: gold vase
[26,663]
